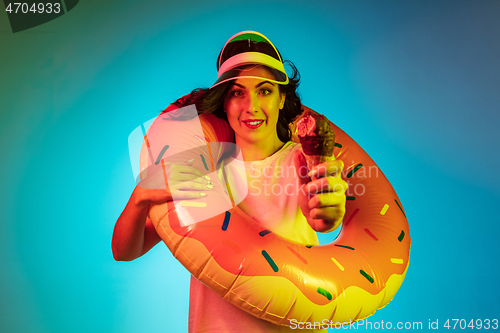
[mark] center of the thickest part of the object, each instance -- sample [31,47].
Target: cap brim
[233,74]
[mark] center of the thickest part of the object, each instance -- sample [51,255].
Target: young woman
[259,101]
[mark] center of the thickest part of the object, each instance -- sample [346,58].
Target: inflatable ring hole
[325,238]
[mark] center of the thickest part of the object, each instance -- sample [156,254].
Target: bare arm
[134,234]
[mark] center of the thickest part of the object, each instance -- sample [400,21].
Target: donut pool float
[260,272]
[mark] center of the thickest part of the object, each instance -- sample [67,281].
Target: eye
[265,91]
[236,93]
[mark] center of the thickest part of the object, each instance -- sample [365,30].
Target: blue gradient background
[416,83]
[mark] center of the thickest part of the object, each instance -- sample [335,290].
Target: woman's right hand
[172,181]
[134,233]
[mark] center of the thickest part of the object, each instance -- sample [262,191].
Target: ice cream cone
[317,139]
[318,149]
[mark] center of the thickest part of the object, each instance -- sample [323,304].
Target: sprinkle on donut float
[261,272]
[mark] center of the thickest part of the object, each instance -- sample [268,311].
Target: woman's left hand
[322,193]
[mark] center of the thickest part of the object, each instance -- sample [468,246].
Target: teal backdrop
[415,83]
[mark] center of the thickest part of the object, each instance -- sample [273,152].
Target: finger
[160,176]
[179,168]
[301,167]
[329,168]
[328,213]
[183,195]
[325,225]
[192,186]
[172,166]
[327,199]
[327,184]
[183,177]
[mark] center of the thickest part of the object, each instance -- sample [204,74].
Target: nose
[253,104]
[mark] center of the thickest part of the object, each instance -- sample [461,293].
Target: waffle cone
[318,144]
[314,160]
[317,149]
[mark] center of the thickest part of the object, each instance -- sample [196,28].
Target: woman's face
[252,106]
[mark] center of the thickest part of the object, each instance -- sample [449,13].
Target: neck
[259,150]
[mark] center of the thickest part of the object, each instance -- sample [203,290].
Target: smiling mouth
[253,124]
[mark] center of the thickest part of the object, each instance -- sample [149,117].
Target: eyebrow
[258,85]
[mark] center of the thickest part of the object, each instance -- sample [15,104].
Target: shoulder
[285,155]
[290,147]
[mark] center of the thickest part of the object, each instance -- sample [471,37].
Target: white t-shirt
[272,187]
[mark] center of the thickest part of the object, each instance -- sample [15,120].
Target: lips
[253,123]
